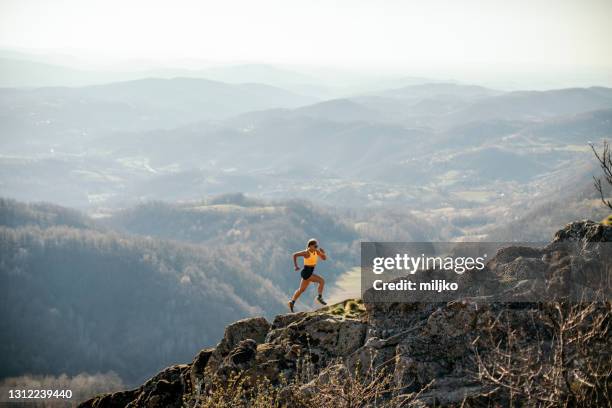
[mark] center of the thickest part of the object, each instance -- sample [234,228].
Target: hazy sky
[388,34]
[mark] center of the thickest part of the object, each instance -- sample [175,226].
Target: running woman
[311,256]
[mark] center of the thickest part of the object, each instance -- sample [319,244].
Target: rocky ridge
[425,346]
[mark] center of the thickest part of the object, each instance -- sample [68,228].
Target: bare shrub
[334,387]
[563,359]
[376,387]
[239,391]
[605,163]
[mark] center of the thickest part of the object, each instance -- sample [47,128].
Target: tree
[605,162]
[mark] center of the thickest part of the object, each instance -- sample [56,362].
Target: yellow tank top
[312,259]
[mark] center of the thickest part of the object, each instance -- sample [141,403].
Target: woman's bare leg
[319,280]
[303,285]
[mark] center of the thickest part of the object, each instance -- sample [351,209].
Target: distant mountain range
[422,146]
[53,115]
[26,70]
[18,69]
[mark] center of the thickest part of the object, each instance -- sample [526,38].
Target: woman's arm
[322,253]
[295,257]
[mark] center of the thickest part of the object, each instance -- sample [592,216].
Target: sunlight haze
[419,35]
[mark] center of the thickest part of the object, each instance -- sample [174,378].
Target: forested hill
[16,214]
[259,235]
[80,296]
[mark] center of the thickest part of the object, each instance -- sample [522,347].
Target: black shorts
[307,272]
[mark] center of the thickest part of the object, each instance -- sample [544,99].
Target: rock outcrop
[425,346]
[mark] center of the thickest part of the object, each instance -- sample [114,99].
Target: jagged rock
[577,263]
[336,371]
[164,394]
[366,357]
[116,399]
[166,389]
[254,328]
[510,253]
[523,268]
[411,374]
[584,231]
[198,365]
[324,336]
[243,352]
[455,319]
[284,320]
